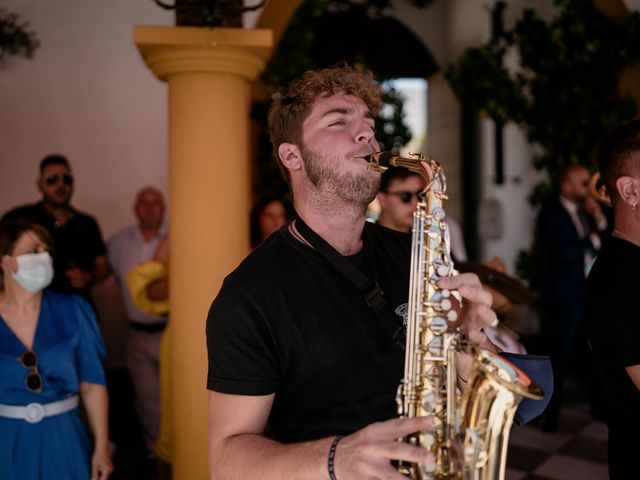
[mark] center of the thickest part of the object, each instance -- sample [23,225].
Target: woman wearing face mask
[51,356]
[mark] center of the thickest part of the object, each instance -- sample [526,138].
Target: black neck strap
[367,287]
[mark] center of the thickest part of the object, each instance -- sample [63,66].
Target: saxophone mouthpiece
[382,158]
[380,161]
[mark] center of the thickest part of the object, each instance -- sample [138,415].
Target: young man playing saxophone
[296,356]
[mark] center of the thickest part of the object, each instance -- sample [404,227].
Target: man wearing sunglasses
[398,199]
[79,253]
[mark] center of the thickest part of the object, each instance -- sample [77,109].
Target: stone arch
[395,51]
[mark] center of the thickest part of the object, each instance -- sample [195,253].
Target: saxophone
[471,429]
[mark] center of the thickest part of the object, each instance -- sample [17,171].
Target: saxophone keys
[428,439]
[438,325]
[438,213]
[443,270]
[435,346]
[452,315]
[446,304]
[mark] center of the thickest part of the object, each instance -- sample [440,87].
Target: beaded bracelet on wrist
[331,459]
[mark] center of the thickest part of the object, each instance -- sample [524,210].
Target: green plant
[15,39]
[562,88]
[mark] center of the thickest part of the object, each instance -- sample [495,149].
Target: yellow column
[208,72]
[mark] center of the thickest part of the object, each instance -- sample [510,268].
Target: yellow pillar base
[208,72]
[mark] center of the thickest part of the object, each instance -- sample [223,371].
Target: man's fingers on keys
[399,427]
[456,281]
[408,453]
[476,294]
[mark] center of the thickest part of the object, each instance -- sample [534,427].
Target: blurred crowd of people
[52,255]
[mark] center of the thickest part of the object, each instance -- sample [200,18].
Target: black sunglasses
[405,197]
[67,179]
[33,381]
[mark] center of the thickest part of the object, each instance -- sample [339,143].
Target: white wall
[448,27]
[88,95]
[516,215]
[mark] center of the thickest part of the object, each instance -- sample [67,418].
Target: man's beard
[325,176]
[60,198]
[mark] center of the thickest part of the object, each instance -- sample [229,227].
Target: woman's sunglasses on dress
[33,380]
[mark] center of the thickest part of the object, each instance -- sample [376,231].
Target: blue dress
[70,350]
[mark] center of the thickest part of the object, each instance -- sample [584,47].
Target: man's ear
[39,181]
[629,190]
[290,156]
[382,199]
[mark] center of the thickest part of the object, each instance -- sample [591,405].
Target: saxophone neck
[424,165]
[418,163]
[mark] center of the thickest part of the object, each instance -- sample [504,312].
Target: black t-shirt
[77,243]
[287,322]
[613,321]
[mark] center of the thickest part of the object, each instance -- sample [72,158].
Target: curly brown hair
[292,105]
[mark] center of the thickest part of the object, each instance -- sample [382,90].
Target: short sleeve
[96,244]
[243,358]
[91,351]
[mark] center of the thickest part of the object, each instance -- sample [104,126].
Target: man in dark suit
[568,230]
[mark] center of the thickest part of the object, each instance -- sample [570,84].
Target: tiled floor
[578,450]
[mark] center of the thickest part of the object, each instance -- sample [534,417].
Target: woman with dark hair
[267,215]
[51,355]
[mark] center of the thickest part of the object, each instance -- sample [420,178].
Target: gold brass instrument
[471,428]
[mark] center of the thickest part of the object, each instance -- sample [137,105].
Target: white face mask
[35,271]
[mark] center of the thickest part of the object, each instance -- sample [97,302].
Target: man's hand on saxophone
[475,315]
[368,452]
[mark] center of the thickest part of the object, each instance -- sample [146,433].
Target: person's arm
[634,373]
[80,278]
[239,449]
[96,402]
[101,269]
[158,290]
[593,208]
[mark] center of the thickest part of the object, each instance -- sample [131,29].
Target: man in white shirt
[127,248]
